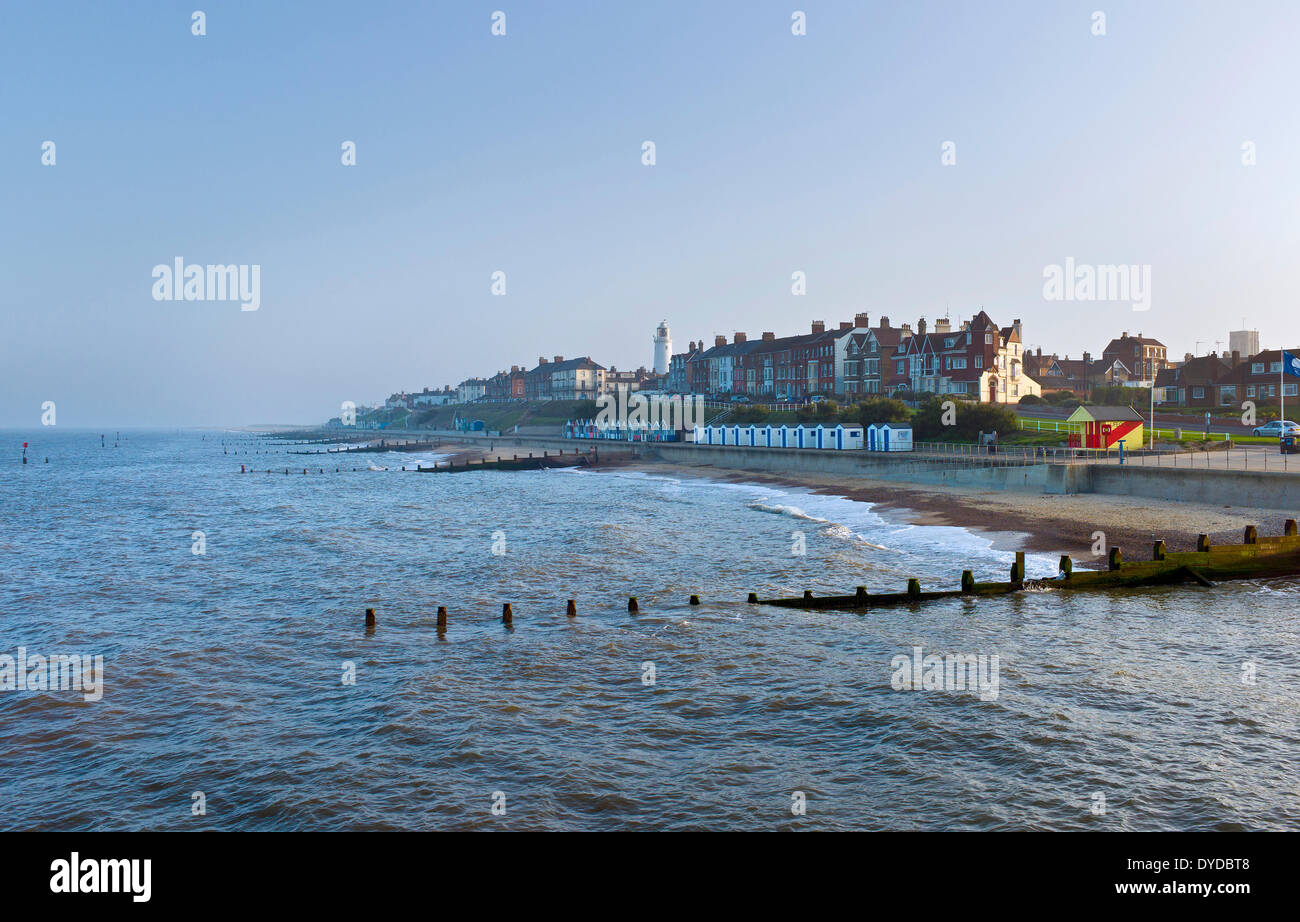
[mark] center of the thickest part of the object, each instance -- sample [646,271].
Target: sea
[240,688]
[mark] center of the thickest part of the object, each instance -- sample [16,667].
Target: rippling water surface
[223,672]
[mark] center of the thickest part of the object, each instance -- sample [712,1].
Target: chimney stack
[769,337]
[942,325]
[719,340]
[862,321]
[920,327]
[559,359]
[845,325]
[1236,357]
[740,338]
[819,326]
[884,323]
[541,360]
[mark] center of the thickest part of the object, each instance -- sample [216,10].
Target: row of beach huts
[882,437]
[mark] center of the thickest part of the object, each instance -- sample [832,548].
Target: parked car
[1276,427]
[816,398]
[739,398]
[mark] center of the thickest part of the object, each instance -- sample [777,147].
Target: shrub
[970,419]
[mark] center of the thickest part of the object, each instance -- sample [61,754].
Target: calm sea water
[224,671]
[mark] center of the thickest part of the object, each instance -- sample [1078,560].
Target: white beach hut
[895,438]
[717,435]
[848,437]
[765,436]
[872,436]
[822,437]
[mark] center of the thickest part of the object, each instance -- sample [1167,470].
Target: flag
[1291,364]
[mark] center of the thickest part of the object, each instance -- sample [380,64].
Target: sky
[819,153]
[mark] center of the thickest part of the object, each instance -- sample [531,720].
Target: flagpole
[1281,380]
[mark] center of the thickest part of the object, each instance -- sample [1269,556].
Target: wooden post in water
[1066,566]
[913,586]
[1116,559]
[1203,543]
[631,604]
[1158,551]
[753,598]
[1018,569]
[1289,529]
[861,595]
[442,617]
[967,581]
[507,614]
[573,609]
[370,617]
[1251,536]
[807,595]
[695,600]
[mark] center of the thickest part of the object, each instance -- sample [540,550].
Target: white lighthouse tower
[663,348]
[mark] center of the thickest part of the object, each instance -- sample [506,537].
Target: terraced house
[981,361]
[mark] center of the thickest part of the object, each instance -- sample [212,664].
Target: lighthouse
[663,347]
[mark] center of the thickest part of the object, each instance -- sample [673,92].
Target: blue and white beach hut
[848,437]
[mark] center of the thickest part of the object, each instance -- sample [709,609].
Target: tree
[969,420]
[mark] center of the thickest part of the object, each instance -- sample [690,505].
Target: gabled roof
[1105,415]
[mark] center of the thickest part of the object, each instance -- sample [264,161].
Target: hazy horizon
[475,153]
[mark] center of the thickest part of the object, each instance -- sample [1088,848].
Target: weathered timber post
[753,598]
[1018,569]
[967,581]
[507,614]
[861,595]
[1116,558]
[913,586]
[1203,543]
[1066,566]
[807,595]
[1289,528]
[1251,536]
[370,617]
[1158,551]
[572,611]
[442,617]
[695,600]
[631,604]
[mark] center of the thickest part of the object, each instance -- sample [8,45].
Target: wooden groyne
[515,463]
[1256,557]
[380,446]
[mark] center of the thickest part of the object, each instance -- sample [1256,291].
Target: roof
[1105,415]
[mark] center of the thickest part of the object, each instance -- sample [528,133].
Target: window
[1274,366]
[1288,390]
[1250,391]
[979,361]
[1198,393]
[988,339]
[900,368]
[950,342]
[1257,368]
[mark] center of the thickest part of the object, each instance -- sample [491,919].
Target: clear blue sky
[523,153]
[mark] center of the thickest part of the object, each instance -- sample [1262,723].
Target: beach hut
[872,437]
[782,437]
[716,434]
[848,437]
[823,437]
[895,438]
[1108,427]
[697,434]
[750,434]
[737,435]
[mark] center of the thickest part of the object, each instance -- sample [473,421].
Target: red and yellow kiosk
[1107,427]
